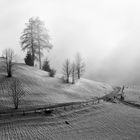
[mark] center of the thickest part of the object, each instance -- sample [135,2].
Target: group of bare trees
[73,70]
[15,87]
[34,39]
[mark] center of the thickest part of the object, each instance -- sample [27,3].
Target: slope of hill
[43,90]
[132,95]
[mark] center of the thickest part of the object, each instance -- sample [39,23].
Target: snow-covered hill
[42,89]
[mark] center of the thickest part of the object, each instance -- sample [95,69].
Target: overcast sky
[105,32]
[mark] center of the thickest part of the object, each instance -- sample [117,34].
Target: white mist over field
[105,32]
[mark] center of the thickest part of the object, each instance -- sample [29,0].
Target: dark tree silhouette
[80,65]
[8,54]
[16,91]
[28,38]
[52,72]
[28,59]
[46,65]
[67,70]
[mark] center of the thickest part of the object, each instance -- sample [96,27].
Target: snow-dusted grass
[43,90]
[102,121]
[132,95]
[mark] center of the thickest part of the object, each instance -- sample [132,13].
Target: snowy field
[132,95]
[43,90]
[105,121]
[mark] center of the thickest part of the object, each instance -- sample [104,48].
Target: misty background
[106,33]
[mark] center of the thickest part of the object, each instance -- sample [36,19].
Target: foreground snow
[99,122]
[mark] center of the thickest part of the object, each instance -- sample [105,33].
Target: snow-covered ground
[42,89]
[102,121]
[132,95]
[105,121]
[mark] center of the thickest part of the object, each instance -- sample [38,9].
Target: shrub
[28,59]
[52,72]
[46,66]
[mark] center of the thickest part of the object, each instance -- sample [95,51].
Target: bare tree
[80,65]
[42,38]
[16,91]
[73,72]
[8,54]
[67,70]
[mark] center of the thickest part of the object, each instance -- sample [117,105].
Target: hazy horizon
[106,33]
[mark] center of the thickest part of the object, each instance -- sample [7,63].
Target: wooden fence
[71,105]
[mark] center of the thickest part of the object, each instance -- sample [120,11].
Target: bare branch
[9,55]
[80,65]
[67,70]
[16,91]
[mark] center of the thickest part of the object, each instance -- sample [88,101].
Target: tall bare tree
[35,38]
[27,38]
[16,91]
[42,38]
[8,54]
[80,65]
[67,70]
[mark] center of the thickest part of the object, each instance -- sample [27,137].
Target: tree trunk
[32,43]
[78,74]
[16,101]
[73,79]
[39,57]
[33,58]
[16,106]
[33,53]
[67,79]
[9,74]
[39,47]
[9,69]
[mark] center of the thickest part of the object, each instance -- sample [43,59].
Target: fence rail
[94,100]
